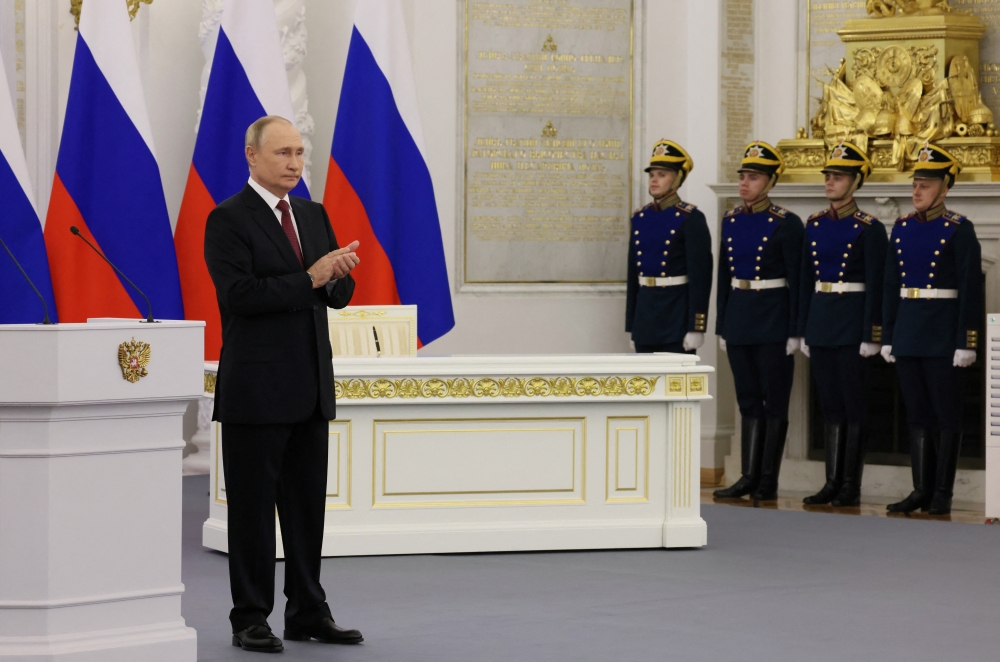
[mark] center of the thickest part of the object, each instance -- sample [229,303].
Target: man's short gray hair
[255,132]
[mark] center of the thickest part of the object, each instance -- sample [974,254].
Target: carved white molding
[291,15]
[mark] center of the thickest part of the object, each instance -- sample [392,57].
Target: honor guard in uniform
[840,314]
[758,294]
[669,261]
[931,314]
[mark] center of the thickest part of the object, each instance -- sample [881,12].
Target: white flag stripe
[380,22]
[10,139]
[252,28]
[104,25]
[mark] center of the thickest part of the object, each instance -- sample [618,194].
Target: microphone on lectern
[46,319]
[149,307]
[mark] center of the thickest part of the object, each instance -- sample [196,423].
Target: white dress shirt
[272,201]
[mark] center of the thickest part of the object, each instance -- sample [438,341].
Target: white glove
[964,358]
[693,341]
[722,344]
[804,348]
[870,349]
[886,353]
[792,345]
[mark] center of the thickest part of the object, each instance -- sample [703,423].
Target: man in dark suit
[276,267]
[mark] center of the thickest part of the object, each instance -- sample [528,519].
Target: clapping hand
[335,264]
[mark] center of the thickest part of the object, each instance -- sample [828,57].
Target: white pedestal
[507,453]
[90,492]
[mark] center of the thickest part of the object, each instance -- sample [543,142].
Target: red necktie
[286,225]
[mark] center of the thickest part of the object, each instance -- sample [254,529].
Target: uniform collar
[759,206]
[931,214]
[847,210]
[667,202]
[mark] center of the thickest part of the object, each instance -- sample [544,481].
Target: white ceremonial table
[506,453]
[90,489]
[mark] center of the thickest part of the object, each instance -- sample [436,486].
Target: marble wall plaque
[824,49]
[548,136]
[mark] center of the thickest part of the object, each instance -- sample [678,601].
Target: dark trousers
[841,378]
[674,347]
[763,378]
[932,392]
[283,466]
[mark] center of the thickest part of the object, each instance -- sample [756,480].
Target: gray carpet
[771,585]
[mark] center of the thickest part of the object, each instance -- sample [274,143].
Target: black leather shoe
[326,631]
[258,638]
[940,505]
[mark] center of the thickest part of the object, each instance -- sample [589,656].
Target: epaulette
[686,207]
[644,207]
[867,219]
[733,211]
[906,218]
[779,211]
[817,215]
[952,217]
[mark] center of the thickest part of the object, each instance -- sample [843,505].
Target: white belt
[662,282]
[759,284]
[839,288]
[917,293]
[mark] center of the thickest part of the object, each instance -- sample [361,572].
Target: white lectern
[90,489]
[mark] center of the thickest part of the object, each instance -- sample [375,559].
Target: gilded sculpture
[909,77]
[886,8]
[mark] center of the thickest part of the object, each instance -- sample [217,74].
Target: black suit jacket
[276,361]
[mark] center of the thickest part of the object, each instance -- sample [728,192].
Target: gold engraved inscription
[548,140]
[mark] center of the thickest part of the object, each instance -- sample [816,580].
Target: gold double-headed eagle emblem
[133,357]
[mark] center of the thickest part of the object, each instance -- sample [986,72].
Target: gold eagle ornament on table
[133,358]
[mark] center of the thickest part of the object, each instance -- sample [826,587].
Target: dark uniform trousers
[283,466]
[841,378]
[763,378]
[932,391]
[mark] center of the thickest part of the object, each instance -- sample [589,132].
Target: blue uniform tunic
[842,246]
[762,243]
[937,249]
[667,240]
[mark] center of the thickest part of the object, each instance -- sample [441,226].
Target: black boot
[774,449]
[752,448]
[947,464]
[854,465]
[833,440]
[922,463]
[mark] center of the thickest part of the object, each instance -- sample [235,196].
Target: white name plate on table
[506,453]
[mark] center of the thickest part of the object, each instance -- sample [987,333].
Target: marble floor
[963,512]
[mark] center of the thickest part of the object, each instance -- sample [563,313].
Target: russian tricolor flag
[378,186]
[19,228]
[247,81]
[107,183]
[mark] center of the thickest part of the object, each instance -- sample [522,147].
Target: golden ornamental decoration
[133,357]
[490,387]
[909,77]
[550,45]
[887,8]
[549,131]
[361,314]
[133,9]
[210,380]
